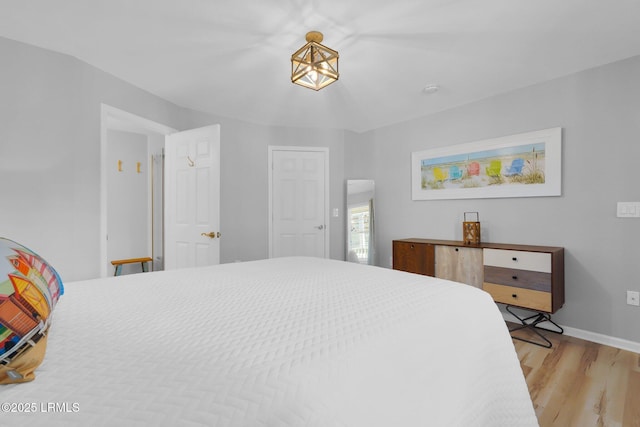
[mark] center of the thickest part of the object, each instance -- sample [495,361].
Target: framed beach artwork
[522,165]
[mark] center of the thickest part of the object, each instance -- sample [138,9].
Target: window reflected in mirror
[360,221]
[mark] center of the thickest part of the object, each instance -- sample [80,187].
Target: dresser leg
[532,323]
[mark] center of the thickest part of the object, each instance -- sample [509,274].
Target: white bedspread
[282,342]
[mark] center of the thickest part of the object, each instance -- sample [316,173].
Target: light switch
[628,210]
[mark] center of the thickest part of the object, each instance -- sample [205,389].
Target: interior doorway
[298,201]
[131,196]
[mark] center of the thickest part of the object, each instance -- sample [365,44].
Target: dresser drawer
[525,279]
[521,260]
[414,257]
[527,298]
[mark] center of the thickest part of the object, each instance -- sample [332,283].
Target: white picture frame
[523,165]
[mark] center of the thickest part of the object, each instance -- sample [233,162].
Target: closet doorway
[131,220]
[298,201]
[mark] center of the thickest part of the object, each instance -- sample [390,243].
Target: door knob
[211,235]
[320,227]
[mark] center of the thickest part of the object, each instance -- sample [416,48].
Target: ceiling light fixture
[314,65]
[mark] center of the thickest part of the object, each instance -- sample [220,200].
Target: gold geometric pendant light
[313,65]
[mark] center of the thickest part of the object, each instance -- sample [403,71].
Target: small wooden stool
[120,262]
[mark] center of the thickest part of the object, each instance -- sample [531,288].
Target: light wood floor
[581,383]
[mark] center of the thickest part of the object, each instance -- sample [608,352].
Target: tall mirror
[360,224]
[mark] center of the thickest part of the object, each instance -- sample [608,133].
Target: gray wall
[599,111]
[128,198]
[244,177]
[50,151]
[50,160]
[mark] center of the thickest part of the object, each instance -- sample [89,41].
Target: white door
[192,198]
[299,202]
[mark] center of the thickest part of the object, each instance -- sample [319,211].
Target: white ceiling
[232,58]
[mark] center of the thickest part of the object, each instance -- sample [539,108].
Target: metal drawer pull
[411,246]
[515,259]
[514,277]
[514,295]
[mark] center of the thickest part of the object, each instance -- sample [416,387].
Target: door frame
[115,118]
[325,150]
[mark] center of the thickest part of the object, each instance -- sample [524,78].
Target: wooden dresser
[414,256]
[530,277]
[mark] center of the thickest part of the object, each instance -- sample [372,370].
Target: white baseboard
[590,336]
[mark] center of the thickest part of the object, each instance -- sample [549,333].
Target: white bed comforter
[282,342]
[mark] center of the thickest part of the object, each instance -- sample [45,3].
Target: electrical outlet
[633,298]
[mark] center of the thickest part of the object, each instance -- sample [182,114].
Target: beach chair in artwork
[516,167]
[494,168]
[473,169]
[439,175]
[455,172]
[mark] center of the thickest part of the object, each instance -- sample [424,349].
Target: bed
[282,342]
